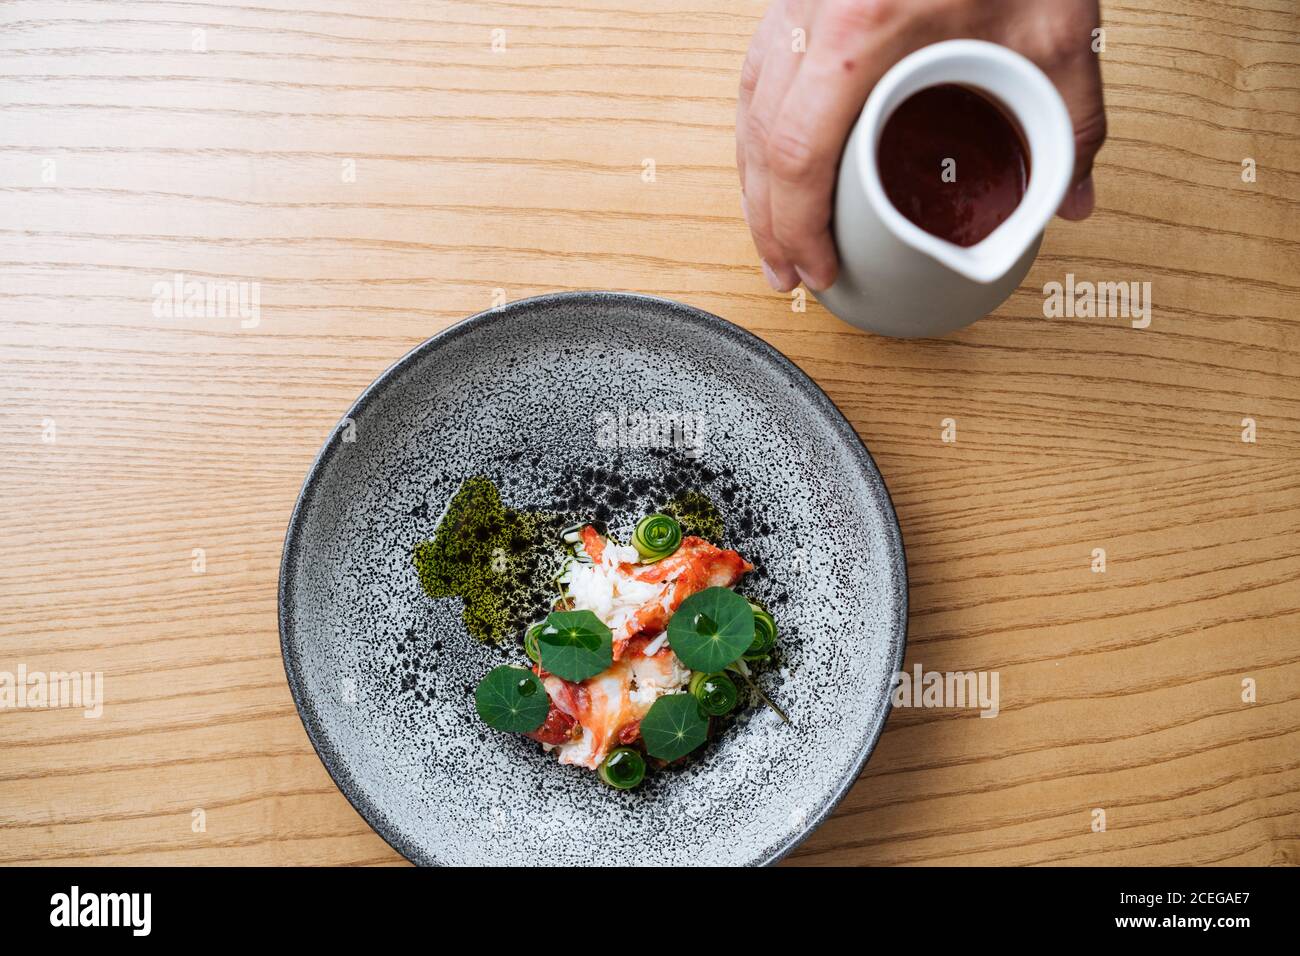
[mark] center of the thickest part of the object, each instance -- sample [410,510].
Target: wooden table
[381,172]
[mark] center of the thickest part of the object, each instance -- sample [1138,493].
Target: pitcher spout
[988,261]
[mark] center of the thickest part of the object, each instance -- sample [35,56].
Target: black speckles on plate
[529,395]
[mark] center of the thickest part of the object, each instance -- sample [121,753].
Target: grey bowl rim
[763,349]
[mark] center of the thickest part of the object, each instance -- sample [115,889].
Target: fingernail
[1085,197]
[811,285]
[771,278]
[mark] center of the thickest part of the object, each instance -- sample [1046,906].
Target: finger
[1080,201]
[750,71]
[851,47]
[1078,77]
[780,65]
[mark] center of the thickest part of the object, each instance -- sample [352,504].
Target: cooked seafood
[610,652]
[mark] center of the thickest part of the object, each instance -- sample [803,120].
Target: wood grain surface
[216,140]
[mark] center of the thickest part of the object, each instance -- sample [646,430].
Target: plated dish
[668,411]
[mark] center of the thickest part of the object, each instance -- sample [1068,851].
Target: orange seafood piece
[602,712]
[694,566]
[590,718]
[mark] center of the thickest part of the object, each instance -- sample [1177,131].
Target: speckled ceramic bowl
[624,394]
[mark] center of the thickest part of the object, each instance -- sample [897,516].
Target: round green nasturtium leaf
[512,699]
[711,629]
[674,726]
[575,645]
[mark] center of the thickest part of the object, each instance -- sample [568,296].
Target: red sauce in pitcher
[988,173]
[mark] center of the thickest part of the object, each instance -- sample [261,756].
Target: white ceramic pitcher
[897,279]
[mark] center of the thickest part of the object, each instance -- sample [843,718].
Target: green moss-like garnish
[500,561]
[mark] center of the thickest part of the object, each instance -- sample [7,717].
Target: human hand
[796,109]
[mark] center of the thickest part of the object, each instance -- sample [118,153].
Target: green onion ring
[656,537]
[623,769]
[531,648]
[764,635]
[716,693]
